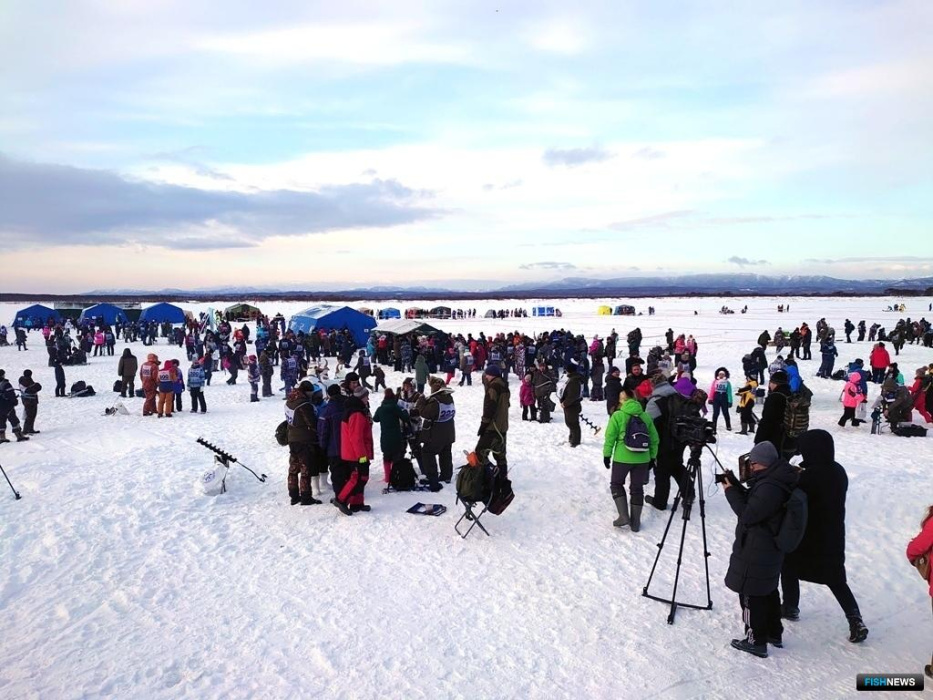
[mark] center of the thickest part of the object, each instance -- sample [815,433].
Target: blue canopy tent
[108,312]
[331,317]
[388,313]
[543,311]
[162,313]
[35,316]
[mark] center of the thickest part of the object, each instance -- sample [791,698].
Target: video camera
[693,430]
[745,472]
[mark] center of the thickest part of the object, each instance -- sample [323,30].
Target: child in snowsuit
[253,376]
[851,398]
[720,396]
[746,409]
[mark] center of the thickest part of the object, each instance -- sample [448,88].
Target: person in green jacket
[390,417]
[623,461]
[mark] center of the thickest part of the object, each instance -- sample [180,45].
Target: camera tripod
[690,484]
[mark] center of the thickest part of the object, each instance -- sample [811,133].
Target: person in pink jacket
[921,545]
[526,397]
[98,343]
[851,398]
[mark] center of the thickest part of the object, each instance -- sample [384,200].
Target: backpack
[839,374]
[118,386]
[473,483]
[636,437]
[502,495]
[402,475]
[794,524]
[797,412]
[281,433]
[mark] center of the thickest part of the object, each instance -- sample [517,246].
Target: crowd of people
[330,423]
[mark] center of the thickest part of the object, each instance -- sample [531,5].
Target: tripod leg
[680,558]
[667,528]
[15,492]
[709,595]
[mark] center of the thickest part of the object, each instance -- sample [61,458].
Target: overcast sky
[161,143]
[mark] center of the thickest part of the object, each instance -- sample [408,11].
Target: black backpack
[281,433]
[402,475]
[794,524]
[636,437]
[118,386]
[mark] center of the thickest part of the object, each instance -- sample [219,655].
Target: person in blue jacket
[793,374]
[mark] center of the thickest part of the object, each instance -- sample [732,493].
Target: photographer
[756,561]
[665,406]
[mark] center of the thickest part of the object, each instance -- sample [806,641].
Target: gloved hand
[607,462]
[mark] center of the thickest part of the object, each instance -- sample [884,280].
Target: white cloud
[363,44]
[560,35]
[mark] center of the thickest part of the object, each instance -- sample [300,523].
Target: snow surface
[119,578]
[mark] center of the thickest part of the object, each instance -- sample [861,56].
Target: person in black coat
[570,401]
[821,555]
[613,389]
[771,425]
[756,561]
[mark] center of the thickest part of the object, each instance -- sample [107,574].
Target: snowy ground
[119,578]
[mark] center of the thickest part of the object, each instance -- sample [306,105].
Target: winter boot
[744,430]
[3,437]
[360,508]
[636,518]
[309,500]
[788,613]
[650,500]
[293,495]
[19,436]
[341,506]
[858,632]
[622,506]
[759,650]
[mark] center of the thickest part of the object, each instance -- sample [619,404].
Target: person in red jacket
[880,359]
[919,546]
[356,453]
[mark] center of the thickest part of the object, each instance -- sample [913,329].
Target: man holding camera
[756,561]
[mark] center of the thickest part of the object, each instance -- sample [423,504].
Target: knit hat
[614,369]
[436,384]
[763,453]
[27,372]
[306,386]
[333,390]
[493,371]
[779,377]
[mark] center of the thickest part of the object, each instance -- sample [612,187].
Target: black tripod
[690,484]
[15,492]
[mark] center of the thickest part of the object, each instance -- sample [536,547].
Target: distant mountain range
[685,285]
[588,286]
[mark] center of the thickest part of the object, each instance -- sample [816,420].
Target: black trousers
[572,421]
[197,399]
[667,465]
[491,445]
[762,615]
[429,461]
[29,418]
[790,587]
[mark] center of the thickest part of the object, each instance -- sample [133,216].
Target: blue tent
[543,311]
[35,316]
[331,317]
[162,312]
[389,312]
[108,312]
